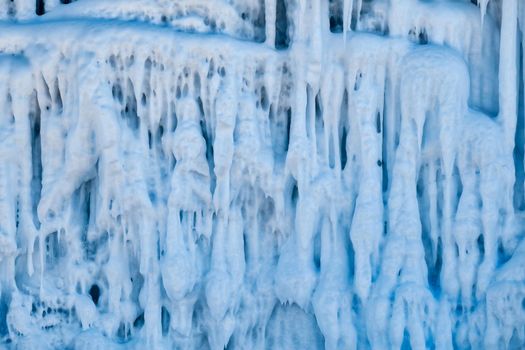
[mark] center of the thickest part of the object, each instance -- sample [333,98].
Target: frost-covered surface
[262,174]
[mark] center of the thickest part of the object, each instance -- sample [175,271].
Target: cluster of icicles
[352,191]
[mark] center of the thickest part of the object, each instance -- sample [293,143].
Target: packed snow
[262,174]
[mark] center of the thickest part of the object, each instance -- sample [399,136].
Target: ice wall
[262,174]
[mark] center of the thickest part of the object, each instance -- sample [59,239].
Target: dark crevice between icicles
[94,292]
[384,148]
[420,37]
[344,157]
[52,249]
[317,248]
[4,308]
[481,247]
[343,129]
[319,125]
[291,195]
[258,22]
[208,139]
[116,92]
[331,152]
[503,256]
[435,269]
[282,40]
[308,114]
[11,9]
[519,150]
[423,204]
[423,37]
[378,122]
[264,99]
[57,98]
[288,127]
[36,157]
[165,321]
[336,16]
[406,341]
[139,321]
[40,7]
[130,110]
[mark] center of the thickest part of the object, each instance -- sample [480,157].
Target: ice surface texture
[262,174]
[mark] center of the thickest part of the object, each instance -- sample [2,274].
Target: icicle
[483,10]
[358,13]
[347,17]
[508,93]
[270,11]
[367,224]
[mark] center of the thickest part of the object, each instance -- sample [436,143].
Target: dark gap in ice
[435,271]
[11,9]
[424,205]
[264,99]
[308,114]
[343,149]
[209,148]
[36,157]
[201,108]
[52,249]
[331,151]
[116,92]
[336,16]
[165,320]
[58,97]
[211,69]
[519,149]
[406,341]
[196,83]
[481,247]
[423,37]
[40,7]
[384,147]
[130,110]
[123,333]
[288,126]
[503,256]
[357,83]
[173,118]
[282,40]
[317,247]
[343,129]
[319,126]
[139,321]
[4,308]
[94,292]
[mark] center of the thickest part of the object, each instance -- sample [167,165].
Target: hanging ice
[262,174]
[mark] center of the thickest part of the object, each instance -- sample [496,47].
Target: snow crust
[272,174]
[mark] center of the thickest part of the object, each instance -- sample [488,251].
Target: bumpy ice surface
[262,174]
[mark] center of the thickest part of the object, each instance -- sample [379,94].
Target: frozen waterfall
[262,174]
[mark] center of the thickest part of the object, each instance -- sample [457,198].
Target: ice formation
[262,174]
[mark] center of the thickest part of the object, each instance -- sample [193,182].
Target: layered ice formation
[262,174]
